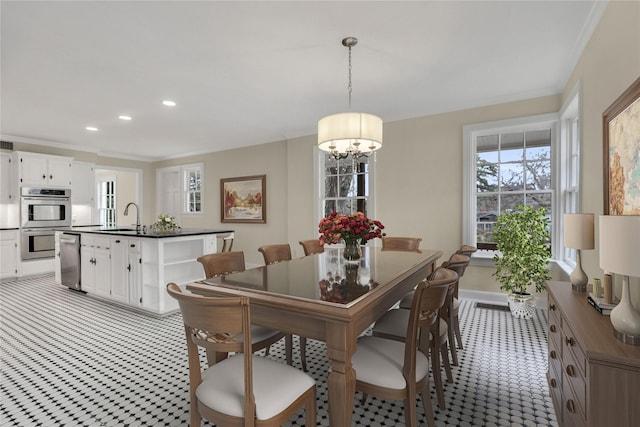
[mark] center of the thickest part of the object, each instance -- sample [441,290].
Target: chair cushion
[275,386]
[379,361]
[393,322]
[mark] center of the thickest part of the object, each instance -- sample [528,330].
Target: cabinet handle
[129,267]
[44,176]
[571,406]
[553,382]
[552,328]
[571,371]
[117,241]
[133,245]
[553,354]
[570,341]
[50,176]
[552,307]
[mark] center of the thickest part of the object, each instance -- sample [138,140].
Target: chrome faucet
[126,212]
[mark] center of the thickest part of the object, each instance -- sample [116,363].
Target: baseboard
[495,297]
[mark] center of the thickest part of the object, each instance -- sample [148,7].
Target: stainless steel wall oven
[42,210]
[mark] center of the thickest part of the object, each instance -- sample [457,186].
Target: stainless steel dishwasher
[70,260]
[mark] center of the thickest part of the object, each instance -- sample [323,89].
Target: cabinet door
[9,256]
[33,171]
[87,282]
[8,180]
[135,274]
[119,270]
[82,183]
[59,172]
[102,272]
[56,262]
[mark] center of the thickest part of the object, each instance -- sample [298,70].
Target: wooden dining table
[326,298]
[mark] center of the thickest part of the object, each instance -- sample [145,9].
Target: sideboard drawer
[574,349]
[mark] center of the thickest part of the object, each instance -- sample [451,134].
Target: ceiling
[245,73]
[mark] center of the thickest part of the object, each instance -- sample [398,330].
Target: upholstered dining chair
[244,389]
[228,262]
[459,263]
[311,247]
[273,254]
[466,250]
[390,369]
[392,325]
[401,243]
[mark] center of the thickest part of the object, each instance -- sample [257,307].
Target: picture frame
[244,199]
[621,153]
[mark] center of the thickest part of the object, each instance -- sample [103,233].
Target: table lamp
[578,235]
[619,253]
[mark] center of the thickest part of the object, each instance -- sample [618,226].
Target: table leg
[341,382]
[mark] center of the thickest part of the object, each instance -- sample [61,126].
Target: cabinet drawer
[575,380]
[572,414]
[553,311]
[573,348]
[555,359]
[555,389]
[555,335]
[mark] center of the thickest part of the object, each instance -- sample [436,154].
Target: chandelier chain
[350,87]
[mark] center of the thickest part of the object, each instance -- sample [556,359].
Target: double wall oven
[41,211]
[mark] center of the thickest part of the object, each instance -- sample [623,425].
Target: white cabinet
[8,179]
[42,170]
[83,179]
[125,270]
[95,265]
[57,266]
[8,253]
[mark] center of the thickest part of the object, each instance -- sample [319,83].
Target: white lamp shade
[620,244]
[339,132]
[578,231]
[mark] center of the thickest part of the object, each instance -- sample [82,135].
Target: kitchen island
[133,268]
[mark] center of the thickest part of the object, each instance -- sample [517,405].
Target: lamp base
[625,319]
[627,339]
[578,277]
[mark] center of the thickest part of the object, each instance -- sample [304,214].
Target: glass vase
[352,250]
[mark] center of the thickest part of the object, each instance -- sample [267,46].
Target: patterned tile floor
[71,360]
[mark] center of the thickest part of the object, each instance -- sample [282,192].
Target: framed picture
[621,156]
[244,199]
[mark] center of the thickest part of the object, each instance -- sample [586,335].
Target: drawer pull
[553,382]
[553,354]
[570,341]
[571,406]
[552,328]
[552,307]
[571,371]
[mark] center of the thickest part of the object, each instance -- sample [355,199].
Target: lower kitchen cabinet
[125,267]
[594,379]
[9,252]
[95,265]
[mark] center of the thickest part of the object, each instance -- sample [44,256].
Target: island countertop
[131,231]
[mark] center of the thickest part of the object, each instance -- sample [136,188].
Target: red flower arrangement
[351,228]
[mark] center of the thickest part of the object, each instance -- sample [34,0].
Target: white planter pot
[522,306]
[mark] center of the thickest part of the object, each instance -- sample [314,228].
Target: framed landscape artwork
[621,156]
[244,199]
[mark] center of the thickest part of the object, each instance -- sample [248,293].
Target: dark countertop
[9,228]
[131,231]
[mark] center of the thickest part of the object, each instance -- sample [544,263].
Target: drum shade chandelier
[355,134]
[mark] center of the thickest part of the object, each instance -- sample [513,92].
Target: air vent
[492,306]
[6,145]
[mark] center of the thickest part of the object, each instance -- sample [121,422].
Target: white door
[169,192]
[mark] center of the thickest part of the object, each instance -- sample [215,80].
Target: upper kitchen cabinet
[42,170]
[83,179]
[8,181]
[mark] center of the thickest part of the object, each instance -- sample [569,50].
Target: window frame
[185,170]
[319,185]
[469,164]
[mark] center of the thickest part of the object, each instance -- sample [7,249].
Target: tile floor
[71,360]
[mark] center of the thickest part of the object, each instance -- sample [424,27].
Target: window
[570,161]
[345,185]
[507,163]
[107,202]
[192,188]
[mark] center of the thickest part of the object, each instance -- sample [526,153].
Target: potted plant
[524,246]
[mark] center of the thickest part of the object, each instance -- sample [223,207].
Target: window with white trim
[192,188]
[345,185]
[570,160]
[507,163]
[107,202]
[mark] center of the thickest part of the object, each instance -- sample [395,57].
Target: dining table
[327,298]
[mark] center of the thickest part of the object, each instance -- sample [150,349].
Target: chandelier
[355,134]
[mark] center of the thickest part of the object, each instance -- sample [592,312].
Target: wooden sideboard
[594,379]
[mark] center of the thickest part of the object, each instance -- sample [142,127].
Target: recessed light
[123,117]
[169,103]
[92,128]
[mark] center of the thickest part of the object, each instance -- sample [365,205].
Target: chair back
[466,250]
[448,277]
[458,263]
[311,247]
[275,253]
[218,325]
[427,303]
[227,243]
[401,243]
[222,263]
